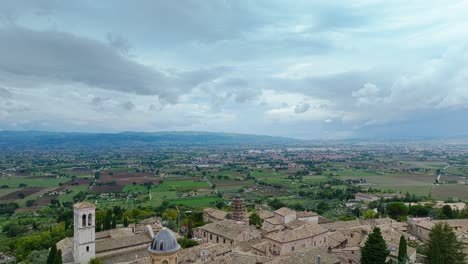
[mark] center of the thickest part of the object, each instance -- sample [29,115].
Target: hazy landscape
[245,132]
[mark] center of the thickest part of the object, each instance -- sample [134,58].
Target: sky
[304,69]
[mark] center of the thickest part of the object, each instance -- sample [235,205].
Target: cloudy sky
[307,69]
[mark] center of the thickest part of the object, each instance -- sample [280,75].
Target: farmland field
[43,182]
[445,191]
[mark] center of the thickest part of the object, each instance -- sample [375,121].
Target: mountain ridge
[41,139]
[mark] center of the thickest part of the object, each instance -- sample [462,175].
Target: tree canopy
[375,250]
[443,246]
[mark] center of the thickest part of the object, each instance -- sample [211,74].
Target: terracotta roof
[283,211]
[240,257]
[273,221]
[83,205]
[306,231]
[120,238]
[306,214]
[218,214]
[294,224]
[227,229]
[307,257]
[342,225]
[265,214]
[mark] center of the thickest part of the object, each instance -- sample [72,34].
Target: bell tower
[84,236]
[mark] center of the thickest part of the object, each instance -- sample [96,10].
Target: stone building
[213,215]
[289,241]
[226,232]
[84,240]
[117,245]
[164,248]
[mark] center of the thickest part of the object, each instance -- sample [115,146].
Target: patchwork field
[16,181]
[445,191]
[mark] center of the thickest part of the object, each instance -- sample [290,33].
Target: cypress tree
[443,246]
[114,222]
[402,251]
[52,254]
[58,257]
[125,221]
[375,250]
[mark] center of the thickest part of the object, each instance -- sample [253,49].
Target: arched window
[152,261]
[90,219]
[83,224]
[292,248]
[161,247]
[217,239]
[87,249]
[165,262]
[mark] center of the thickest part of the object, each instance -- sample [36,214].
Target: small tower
[84,236]
[238,209]
[164,248]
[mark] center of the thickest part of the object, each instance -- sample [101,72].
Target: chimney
[318,259]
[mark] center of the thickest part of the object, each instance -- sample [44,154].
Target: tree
[114,222]
[58,257]
[125,221]
[52,254]
[369,214]
[95,261]
[447,212]
[255,220]
[402,251]
[38,257]
[443,246]
[397,210]
[375,250]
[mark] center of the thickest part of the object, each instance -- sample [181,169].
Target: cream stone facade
[84,240]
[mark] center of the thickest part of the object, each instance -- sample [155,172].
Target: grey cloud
[128,106]
[4,93]
[301,108]
[53,56]
[119,43]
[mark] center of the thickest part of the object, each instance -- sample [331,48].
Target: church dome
[164,242]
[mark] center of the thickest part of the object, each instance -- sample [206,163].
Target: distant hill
[40,139]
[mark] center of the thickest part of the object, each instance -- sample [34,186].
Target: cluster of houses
[286,236]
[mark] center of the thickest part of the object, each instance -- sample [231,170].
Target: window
[224,240]
[152,261]
[90,219]
[325,239]
[161,247]
[211,236]
[292,248]
[217,239]
[165,262]
[83,224]
[87,249]
[315,243]
[204,234]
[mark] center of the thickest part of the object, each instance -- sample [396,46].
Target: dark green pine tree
[58,257]
[375,250]
[114,222]
[108,221]
[52,254]
[443,246]
[402,251]
[125,221]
